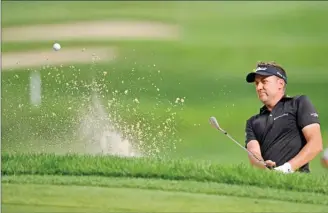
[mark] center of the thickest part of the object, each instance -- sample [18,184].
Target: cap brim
[250,78]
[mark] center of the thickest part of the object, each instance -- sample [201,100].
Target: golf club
[216,125]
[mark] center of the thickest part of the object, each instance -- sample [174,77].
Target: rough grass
[109,166]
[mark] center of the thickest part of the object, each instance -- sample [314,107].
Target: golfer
[286,132]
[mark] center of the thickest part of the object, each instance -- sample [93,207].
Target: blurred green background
[218,44]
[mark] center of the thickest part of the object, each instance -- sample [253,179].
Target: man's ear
[281,82]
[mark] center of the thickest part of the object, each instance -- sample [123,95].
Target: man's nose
[259,86]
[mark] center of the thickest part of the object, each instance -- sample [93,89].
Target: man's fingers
[270,163]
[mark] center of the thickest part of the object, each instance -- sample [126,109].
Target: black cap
[266,71]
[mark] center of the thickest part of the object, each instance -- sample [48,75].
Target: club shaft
[215,123]
[249,152]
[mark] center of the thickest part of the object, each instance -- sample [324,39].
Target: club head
[214,123]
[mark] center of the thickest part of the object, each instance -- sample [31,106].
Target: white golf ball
[56,46]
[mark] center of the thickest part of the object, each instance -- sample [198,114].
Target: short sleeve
[249,133]
[306,112]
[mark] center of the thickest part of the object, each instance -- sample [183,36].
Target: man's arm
[308,121]
[312,148]
[253,145]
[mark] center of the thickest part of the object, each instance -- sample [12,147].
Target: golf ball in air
[56,46]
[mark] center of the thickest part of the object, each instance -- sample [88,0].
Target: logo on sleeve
[314,115]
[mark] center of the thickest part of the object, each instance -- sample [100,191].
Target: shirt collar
[264,109]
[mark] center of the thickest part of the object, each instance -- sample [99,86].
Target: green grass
[87,165]
[122,199]
[187,186]
[54,12]
[50,183]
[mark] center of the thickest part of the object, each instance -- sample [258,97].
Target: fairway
[75,198]
[116,197]
[140,80]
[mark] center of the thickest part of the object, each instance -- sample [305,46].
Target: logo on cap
[261,68]
[278,73]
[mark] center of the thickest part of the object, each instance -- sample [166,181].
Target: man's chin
[263,99]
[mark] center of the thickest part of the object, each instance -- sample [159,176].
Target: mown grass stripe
[110,166]
[169,185]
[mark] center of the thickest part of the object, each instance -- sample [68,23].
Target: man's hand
[286,168]
[270,164]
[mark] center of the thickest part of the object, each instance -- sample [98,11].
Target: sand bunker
[51,57]
[95,30]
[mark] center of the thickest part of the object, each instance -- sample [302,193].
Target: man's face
[268,87]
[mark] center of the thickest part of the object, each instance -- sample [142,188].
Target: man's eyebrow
[260,79]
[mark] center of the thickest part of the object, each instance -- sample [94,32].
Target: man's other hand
[286,168]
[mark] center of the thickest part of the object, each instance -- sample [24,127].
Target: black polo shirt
[279,132]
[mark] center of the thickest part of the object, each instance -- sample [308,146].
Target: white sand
[94,30]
